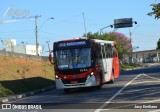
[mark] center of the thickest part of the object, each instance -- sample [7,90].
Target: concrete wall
[20,49]
[24,49]
[12,54]
[31,49]
[144,56]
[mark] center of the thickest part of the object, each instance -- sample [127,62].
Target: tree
[122,42]
[156,10]
[158,44]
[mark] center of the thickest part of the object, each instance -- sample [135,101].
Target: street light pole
[131,48]
[104,28]
[130,57]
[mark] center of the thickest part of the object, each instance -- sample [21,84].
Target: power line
[53,34]
[17,31]
[68,19]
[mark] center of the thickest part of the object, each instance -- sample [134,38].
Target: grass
[129,66]
[18,75]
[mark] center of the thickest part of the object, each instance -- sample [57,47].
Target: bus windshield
[73,58]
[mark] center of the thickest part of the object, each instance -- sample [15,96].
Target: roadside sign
[122,23]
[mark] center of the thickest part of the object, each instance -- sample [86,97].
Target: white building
[10,45]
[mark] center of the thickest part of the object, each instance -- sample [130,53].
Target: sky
[68,20]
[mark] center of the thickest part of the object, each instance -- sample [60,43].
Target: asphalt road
[136,90]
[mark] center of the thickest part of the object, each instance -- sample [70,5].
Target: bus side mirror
[50,57]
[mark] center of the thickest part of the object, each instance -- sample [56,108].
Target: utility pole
[85,26]
[36,31]
[131,47]
[48,45]
[130,57]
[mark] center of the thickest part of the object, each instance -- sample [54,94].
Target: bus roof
[74,39]
[83,38]
[104,41]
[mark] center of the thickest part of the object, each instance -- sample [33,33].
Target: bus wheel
[100,83]
[66,90]
[112,80]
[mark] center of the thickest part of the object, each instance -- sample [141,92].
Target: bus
[84,63]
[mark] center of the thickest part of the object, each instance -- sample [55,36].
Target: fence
[13,54]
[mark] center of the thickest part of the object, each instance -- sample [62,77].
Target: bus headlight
[58,78]
[90,75]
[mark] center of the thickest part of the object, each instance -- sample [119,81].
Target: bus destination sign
[70,44]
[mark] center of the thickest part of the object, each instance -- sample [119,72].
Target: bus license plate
[74,82]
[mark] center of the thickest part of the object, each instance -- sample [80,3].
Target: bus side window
[114,52]
[100,51]
[106,51]
[95,53]
[110,51]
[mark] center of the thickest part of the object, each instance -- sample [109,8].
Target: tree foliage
[158,44]
[122,42]
[155,10]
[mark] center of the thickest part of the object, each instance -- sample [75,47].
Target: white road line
[151,101]
[144,89]
[107,102]
[145,82]
[134,104]
[153,93]
[155,111]
[151,77]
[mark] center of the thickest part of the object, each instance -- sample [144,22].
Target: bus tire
[100,82]
[66,90]
[112,80]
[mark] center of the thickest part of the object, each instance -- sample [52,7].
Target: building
[10,45]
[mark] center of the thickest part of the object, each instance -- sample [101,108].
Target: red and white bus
[84,63]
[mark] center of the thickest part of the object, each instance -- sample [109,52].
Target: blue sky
[68,20]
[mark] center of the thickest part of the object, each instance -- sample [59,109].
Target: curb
[19,96]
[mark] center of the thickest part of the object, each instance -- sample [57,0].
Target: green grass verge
[129,66]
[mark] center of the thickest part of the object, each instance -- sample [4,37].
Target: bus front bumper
[90,81]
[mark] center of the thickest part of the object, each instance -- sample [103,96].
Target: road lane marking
[151,77]
[137,90]
[153,93]
[145,82]
[155,111]
[107,102]
[151,101]
[118,107]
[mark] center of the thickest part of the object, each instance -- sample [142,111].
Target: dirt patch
[12,68]
[18,75]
